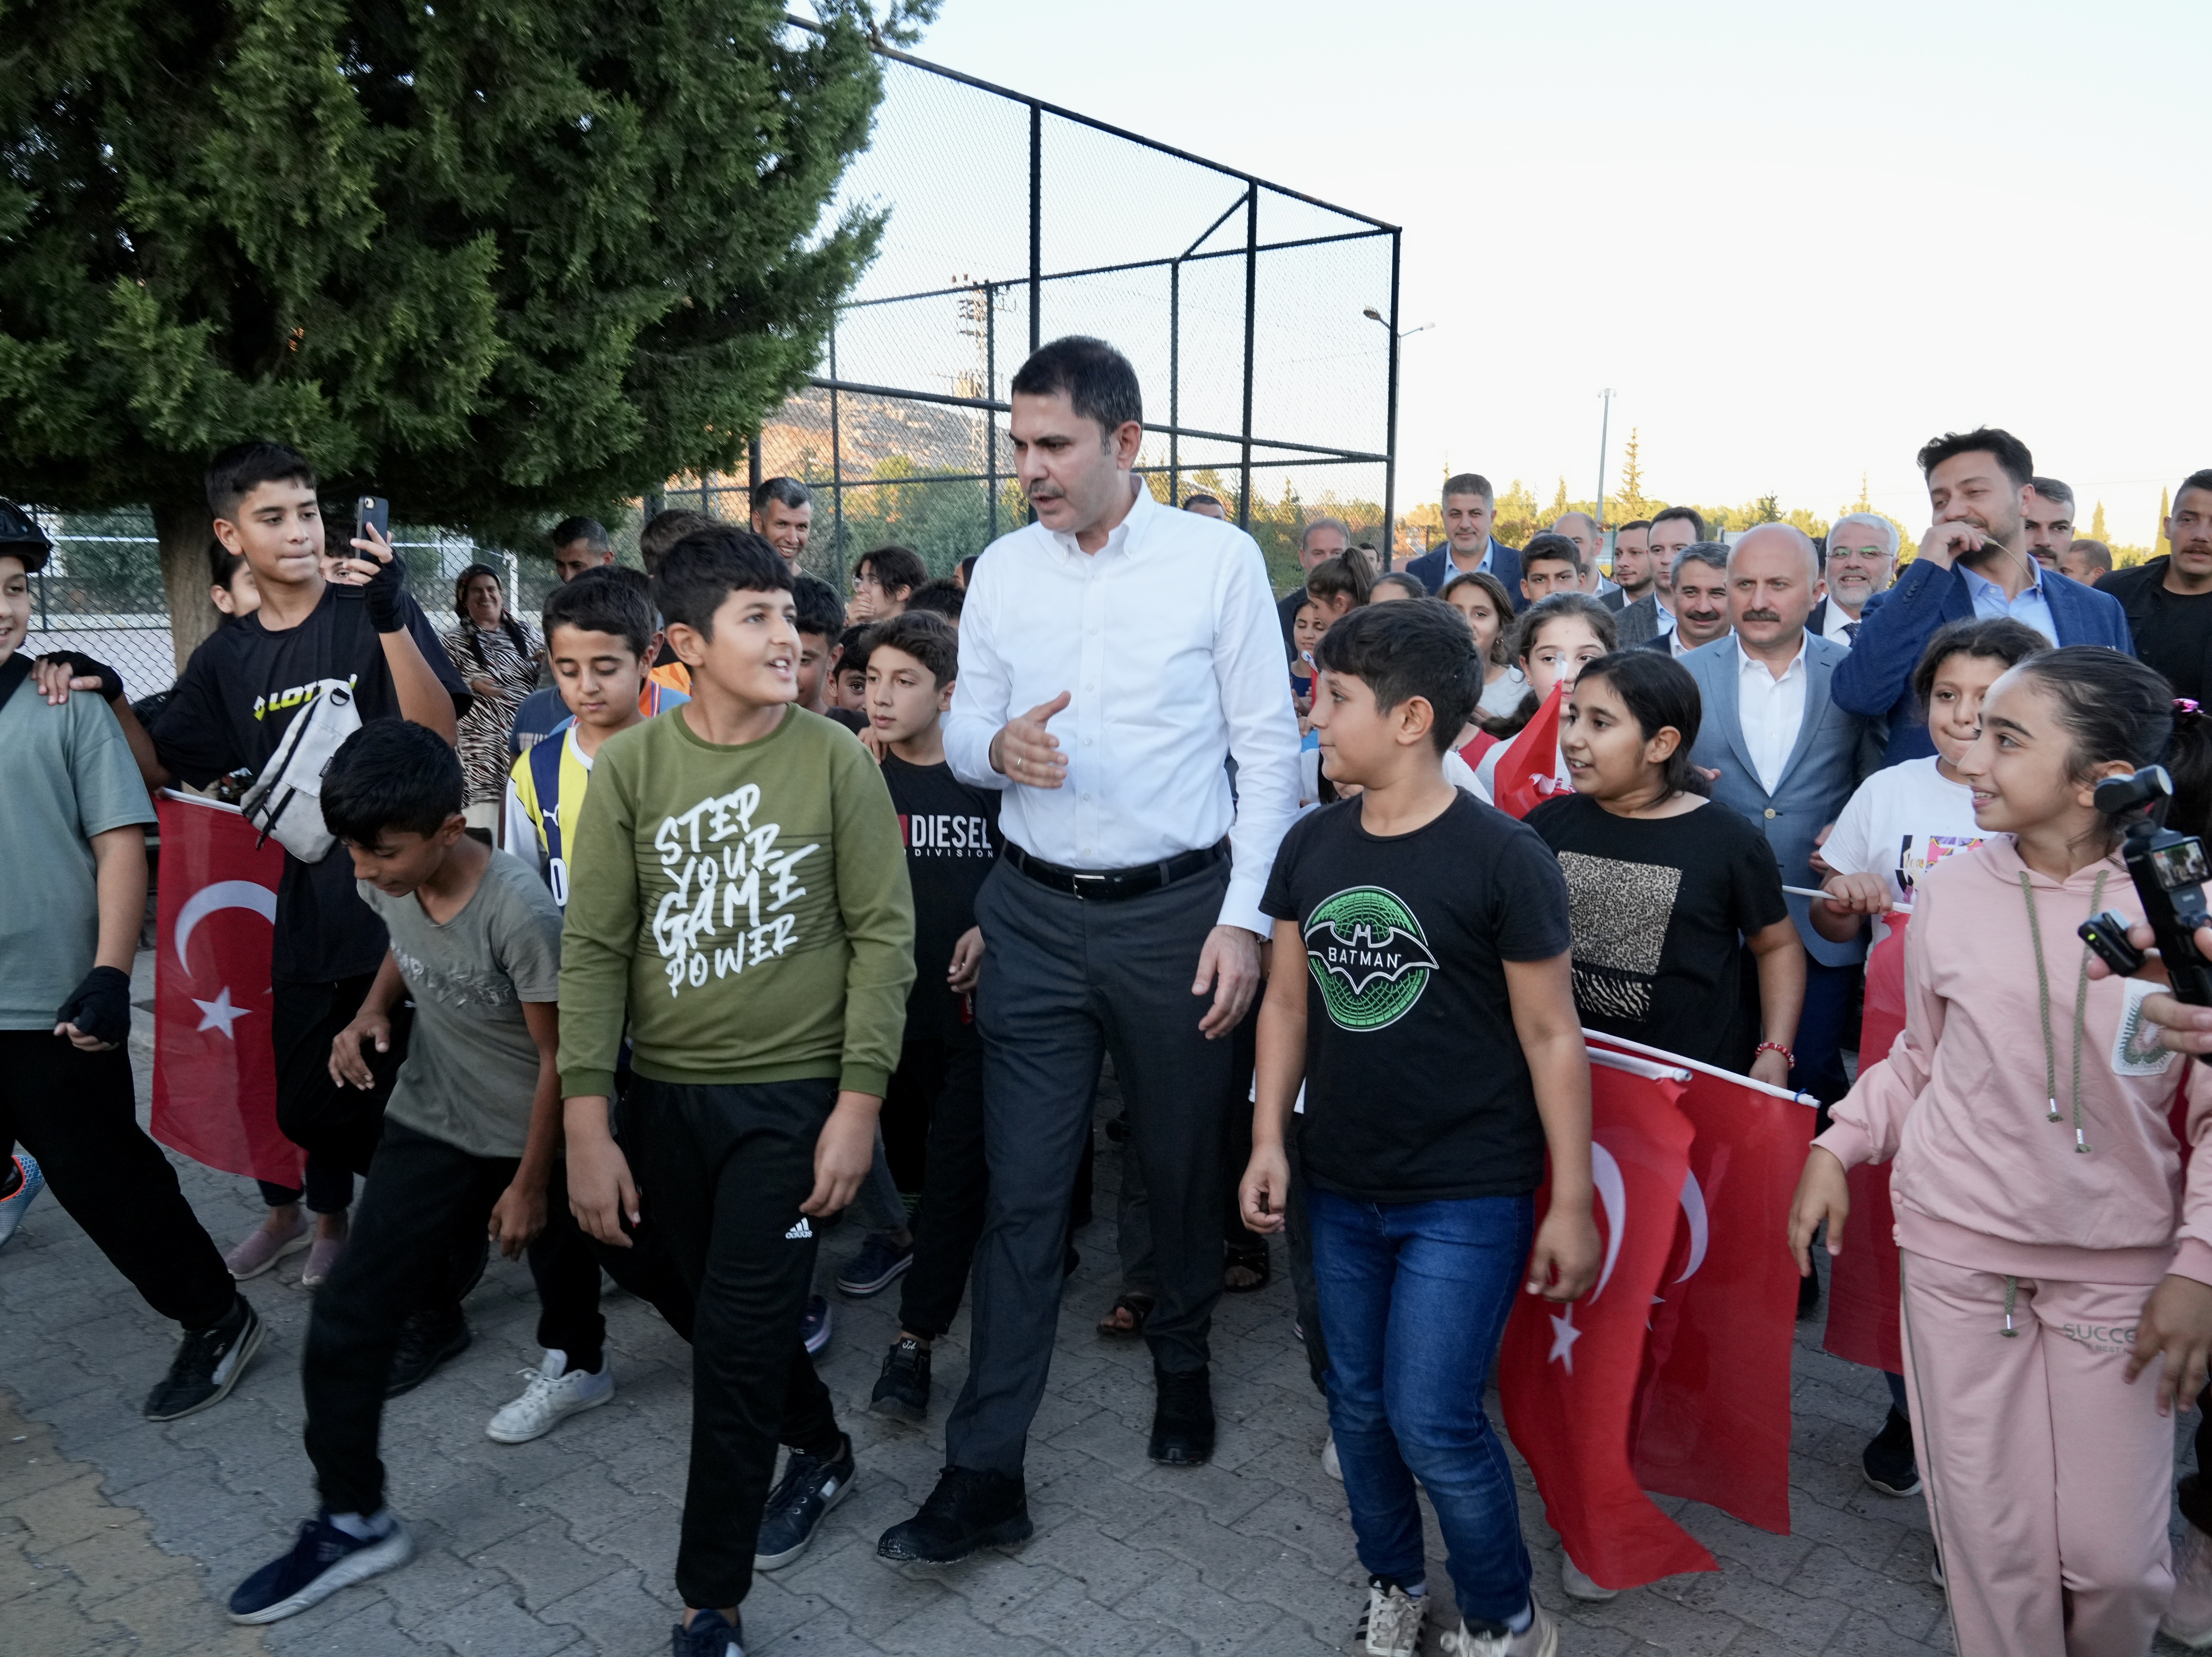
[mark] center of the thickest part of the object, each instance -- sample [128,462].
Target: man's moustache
[1760,615]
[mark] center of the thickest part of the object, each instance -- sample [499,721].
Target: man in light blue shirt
[2029,605]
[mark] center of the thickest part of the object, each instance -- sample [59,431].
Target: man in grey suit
[1671,531]
[1788,757]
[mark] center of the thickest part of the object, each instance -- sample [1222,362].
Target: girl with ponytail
[2056,1268]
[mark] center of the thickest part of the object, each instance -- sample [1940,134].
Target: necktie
[1851,632]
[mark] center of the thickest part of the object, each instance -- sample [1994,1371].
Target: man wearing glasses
[1861,561]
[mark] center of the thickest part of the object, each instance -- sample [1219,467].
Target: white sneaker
[555,1393]
[1540,1639]
[1391,1625]
[1580,1586]
[1329,1464]
[2189,1617]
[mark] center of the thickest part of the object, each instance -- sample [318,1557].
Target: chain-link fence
[1261,323]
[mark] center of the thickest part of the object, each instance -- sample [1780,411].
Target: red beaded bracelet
[1787,1057]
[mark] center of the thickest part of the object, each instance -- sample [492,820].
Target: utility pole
[1604,429]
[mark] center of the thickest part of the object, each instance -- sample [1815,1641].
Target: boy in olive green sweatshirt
[738,899]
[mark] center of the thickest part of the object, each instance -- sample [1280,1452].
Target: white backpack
[285,802]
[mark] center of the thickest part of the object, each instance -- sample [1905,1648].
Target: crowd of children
[649,943]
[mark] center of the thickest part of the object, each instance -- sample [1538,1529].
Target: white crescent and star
[1613,1197]
[221,1013]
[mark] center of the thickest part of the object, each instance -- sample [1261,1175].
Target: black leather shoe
[1183,1420]
[426,1340]
[969,1510]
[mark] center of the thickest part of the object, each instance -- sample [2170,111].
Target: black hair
[664,530]
[1099,382]
[2002,639]
[2116,709]
[853,650]
[1557,548]
[967,565]
[2009,453]
[2196,480]
[1419,648]
[1397,578]
[1533,620]
[783,491]
[1345,576]
[1633,523]
[1197,498]
[237,470]
[821,611]
[2051,488]
[223,563]
[603,601]
[391,774]
[701,570]
[591,532]
[941,597]
[895,568]
[509,625]
[927,638]
[1658,691]
[1689,515]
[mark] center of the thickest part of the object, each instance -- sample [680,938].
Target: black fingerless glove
[83,667]
[384,593]
[100,1006]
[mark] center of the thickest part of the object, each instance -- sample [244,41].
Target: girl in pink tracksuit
[2049,1249]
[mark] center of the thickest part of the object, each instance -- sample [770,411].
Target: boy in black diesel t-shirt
[951,834]
[232,704]
[1436,1035]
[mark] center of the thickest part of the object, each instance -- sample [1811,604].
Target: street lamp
[1374,315]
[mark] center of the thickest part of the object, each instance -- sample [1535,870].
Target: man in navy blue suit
[1973,562]
[1468,544]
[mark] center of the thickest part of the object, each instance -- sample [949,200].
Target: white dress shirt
[1838,623]
[1770,712]
[1167,641]
[1675,647]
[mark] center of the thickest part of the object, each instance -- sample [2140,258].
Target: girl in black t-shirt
[1666,889]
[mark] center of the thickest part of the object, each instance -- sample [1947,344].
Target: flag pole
[1662,1056]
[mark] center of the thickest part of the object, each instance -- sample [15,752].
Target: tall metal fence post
[753,466]
[1036,225]
[1390,465]
[991,395]
[1175,382]
[1251,305]
[836,461]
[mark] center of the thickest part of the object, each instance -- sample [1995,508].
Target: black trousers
[722,1171]
[956,1179]
[1298,1236]
[424,1204]
[338,1126]
[76,1114]
[1065,980]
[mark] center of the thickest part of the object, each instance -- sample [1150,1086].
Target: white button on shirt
[1169,640]
[1770,712]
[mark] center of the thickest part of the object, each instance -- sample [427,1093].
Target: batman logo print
[1369,957]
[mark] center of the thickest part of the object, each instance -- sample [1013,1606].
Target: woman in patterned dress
[498,657]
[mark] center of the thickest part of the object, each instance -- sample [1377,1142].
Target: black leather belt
[1113,885]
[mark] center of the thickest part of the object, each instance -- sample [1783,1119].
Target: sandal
[1257,1263]
[1128,1315]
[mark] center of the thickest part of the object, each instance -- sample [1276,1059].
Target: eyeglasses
[1835,553]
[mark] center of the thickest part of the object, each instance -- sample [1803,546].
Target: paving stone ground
[118,1536]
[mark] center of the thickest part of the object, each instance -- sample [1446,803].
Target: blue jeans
[1413,1301]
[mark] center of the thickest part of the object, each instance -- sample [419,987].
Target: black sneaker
[810,1487]
[709,1636]
[902,1390]
[323,1560]
[967,1511]
[426,1340]
[1887,1461]
[1183,1420]
[208,1364]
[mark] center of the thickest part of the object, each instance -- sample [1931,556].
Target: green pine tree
[498,261]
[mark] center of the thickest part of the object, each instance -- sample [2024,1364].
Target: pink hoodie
[1984,1179]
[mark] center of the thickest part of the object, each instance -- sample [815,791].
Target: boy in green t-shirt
[739,899]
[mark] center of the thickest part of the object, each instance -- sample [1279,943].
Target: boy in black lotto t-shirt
[1436,1035]
[235,699]
[951,834]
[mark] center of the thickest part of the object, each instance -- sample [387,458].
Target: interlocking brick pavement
[125,1535]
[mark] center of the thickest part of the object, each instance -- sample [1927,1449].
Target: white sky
[1797,241]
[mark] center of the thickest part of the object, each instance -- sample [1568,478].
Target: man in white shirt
[1861,562]
[1698,588]
[1113,656]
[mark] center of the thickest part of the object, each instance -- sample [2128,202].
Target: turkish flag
[1863,1282]
[1567,1374]
[1712,1409]
[1528,771]
[215,1068]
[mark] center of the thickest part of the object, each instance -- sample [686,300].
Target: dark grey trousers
[1065,980]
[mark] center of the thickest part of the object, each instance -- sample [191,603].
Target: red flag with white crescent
[1712,1410]
[1863,1281]
[1567,1374]
[214,1070]
[1528,771]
